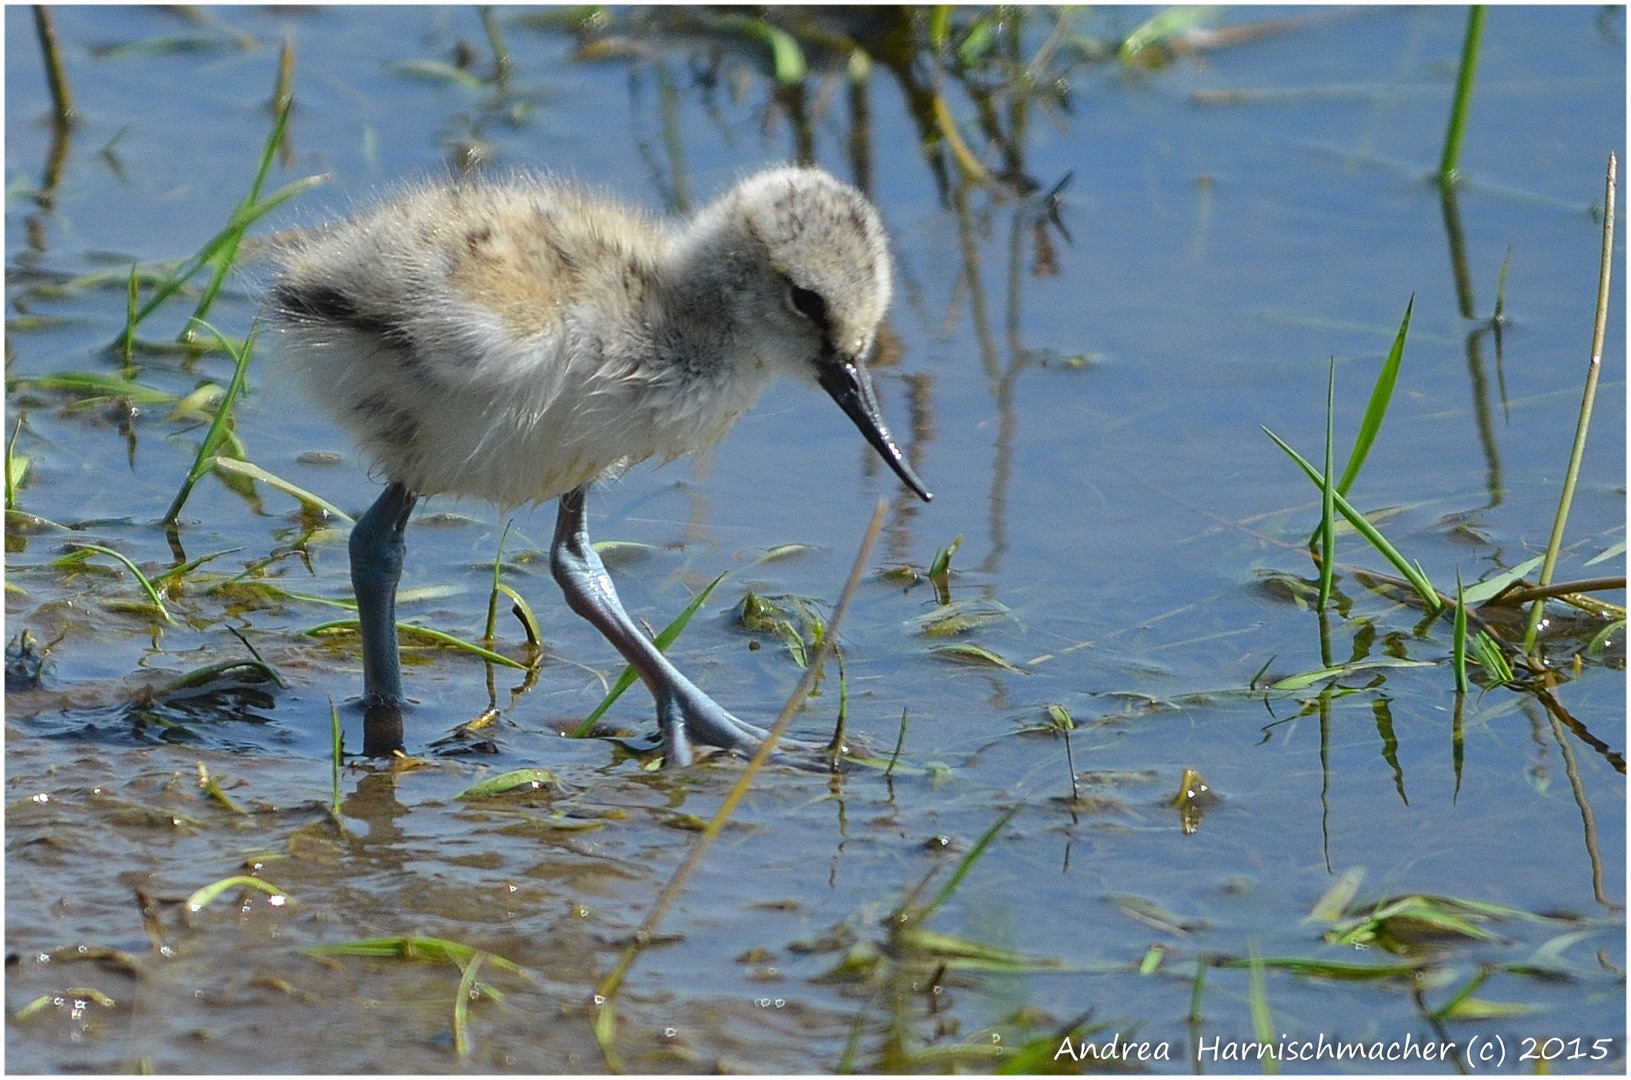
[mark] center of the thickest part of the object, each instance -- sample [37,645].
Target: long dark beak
[849,384]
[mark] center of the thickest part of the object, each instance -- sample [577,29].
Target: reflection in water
[381,729]
[1448,200]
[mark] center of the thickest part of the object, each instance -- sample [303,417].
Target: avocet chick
[515,339]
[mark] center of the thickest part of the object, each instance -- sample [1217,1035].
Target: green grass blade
[1458,638]
[1262,1017]
[1587,401]
[900,741]
[1466,991]
[498,565]
[437,636]
[1308,678]
[663,641]
[528,779]
[1412,574]
[93,384]
[523,611]
[337,754]
[240,220]
[220,425]
[255,472]
[1491,659]
[1449,165]
[177,572]
[1328,524]
[228,254]
[787,58]
[461,1005]
[132,295]
[14,474]
[201,899]
[967,863]
[147,586]
[415,948]
[1380,396]
[202,676]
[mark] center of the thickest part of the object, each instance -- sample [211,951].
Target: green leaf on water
[1309,678]
[975,654]
[436,71]
[83,383]
[210,672]
[959,617]
[414,948]
[960,954]
[426,632]
[1333,969]
[1154,915]
[1334,904]
[783,551]
[1476,1008]
[201,899]
[1484,590]
[528,779]
[1398,924]
[255,472]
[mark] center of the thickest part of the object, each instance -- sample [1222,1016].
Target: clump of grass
[1333,497]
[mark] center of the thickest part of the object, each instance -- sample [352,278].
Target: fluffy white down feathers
[513,339]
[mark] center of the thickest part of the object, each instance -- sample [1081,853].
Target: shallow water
[1091,434]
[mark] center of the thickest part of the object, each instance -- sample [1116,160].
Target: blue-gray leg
[684,712]
[377,547]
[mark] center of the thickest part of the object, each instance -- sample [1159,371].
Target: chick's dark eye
[809,304]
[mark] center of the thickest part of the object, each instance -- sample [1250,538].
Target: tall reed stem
[1587,400]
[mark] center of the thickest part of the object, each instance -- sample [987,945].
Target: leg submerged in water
[684,712]
[377,547]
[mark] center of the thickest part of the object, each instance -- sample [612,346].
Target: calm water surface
[1080,382]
